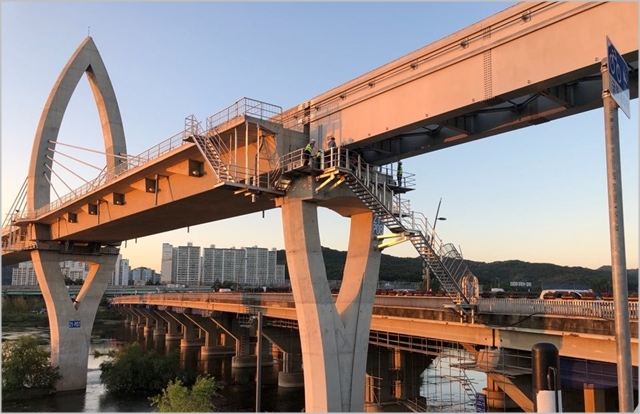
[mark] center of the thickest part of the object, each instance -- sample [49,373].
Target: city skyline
[537,194]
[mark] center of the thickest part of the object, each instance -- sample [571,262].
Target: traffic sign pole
[618,257]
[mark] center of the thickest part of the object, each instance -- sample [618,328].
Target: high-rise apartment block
[24,275]
[166,269]
[186,265]
[252,266]
[122,273]
[75,270]
[143,275]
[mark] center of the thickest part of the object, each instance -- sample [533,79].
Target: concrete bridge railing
[583,308]
[577,308]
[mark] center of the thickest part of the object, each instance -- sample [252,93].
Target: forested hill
[492,274]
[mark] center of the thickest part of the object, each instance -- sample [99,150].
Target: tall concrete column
[334,336]
[71,322]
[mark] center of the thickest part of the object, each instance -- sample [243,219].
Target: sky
[538,194]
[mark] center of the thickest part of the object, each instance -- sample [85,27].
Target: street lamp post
[427,274]
[435,223]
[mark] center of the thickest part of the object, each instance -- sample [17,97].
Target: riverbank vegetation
[178,398]
[134,370]
[26,369]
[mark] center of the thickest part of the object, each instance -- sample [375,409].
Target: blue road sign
[74,324]
[481,403]
[618,78]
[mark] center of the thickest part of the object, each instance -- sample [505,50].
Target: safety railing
[603,309]
[579,308]
[107,176]
[246,106]
[18,206]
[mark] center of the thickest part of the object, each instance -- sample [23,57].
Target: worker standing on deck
[332,149]
[399,173]
[306,154]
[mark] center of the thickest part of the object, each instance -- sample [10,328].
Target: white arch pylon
[85,60]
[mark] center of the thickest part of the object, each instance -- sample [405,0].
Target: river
[237,395]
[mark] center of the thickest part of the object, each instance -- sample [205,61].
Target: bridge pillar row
[210,333]
[71,322]
[190,331]
[145,322]
[334,335]
[173,332]
[154,327]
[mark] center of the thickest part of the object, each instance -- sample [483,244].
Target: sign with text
[378,227]
[520,284]
[74,324]
[618,78]
[481,403]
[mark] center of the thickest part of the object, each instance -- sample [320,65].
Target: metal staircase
[443,260]
[211,146]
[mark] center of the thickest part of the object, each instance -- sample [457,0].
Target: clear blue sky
[538,194]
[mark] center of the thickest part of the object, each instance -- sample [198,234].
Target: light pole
[426,271]
[435,222]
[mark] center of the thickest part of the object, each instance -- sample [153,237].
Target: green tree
[178,398]
[136,371]
[26,365]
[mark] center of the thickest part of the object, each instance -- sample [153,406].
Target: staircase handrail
[417,226]
[222,148]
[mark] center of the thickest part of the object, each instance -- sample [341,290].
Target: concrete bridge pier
[248,358]
[145,322]
[406,370]
[190,331]
[226,336]
[124,312]
[334,335]
[211,334]
[287,342]
[291,375]
[71,322]
[159,329]
[130,318]
[173,327]
[378,376]
[137,320]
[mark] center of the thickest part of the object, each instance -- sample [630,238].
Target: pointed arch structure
[85,60]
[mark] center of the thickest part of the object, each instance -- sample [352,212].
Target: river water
[237,395]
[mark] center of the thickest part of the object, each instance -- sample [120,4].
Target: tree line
[494,274]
